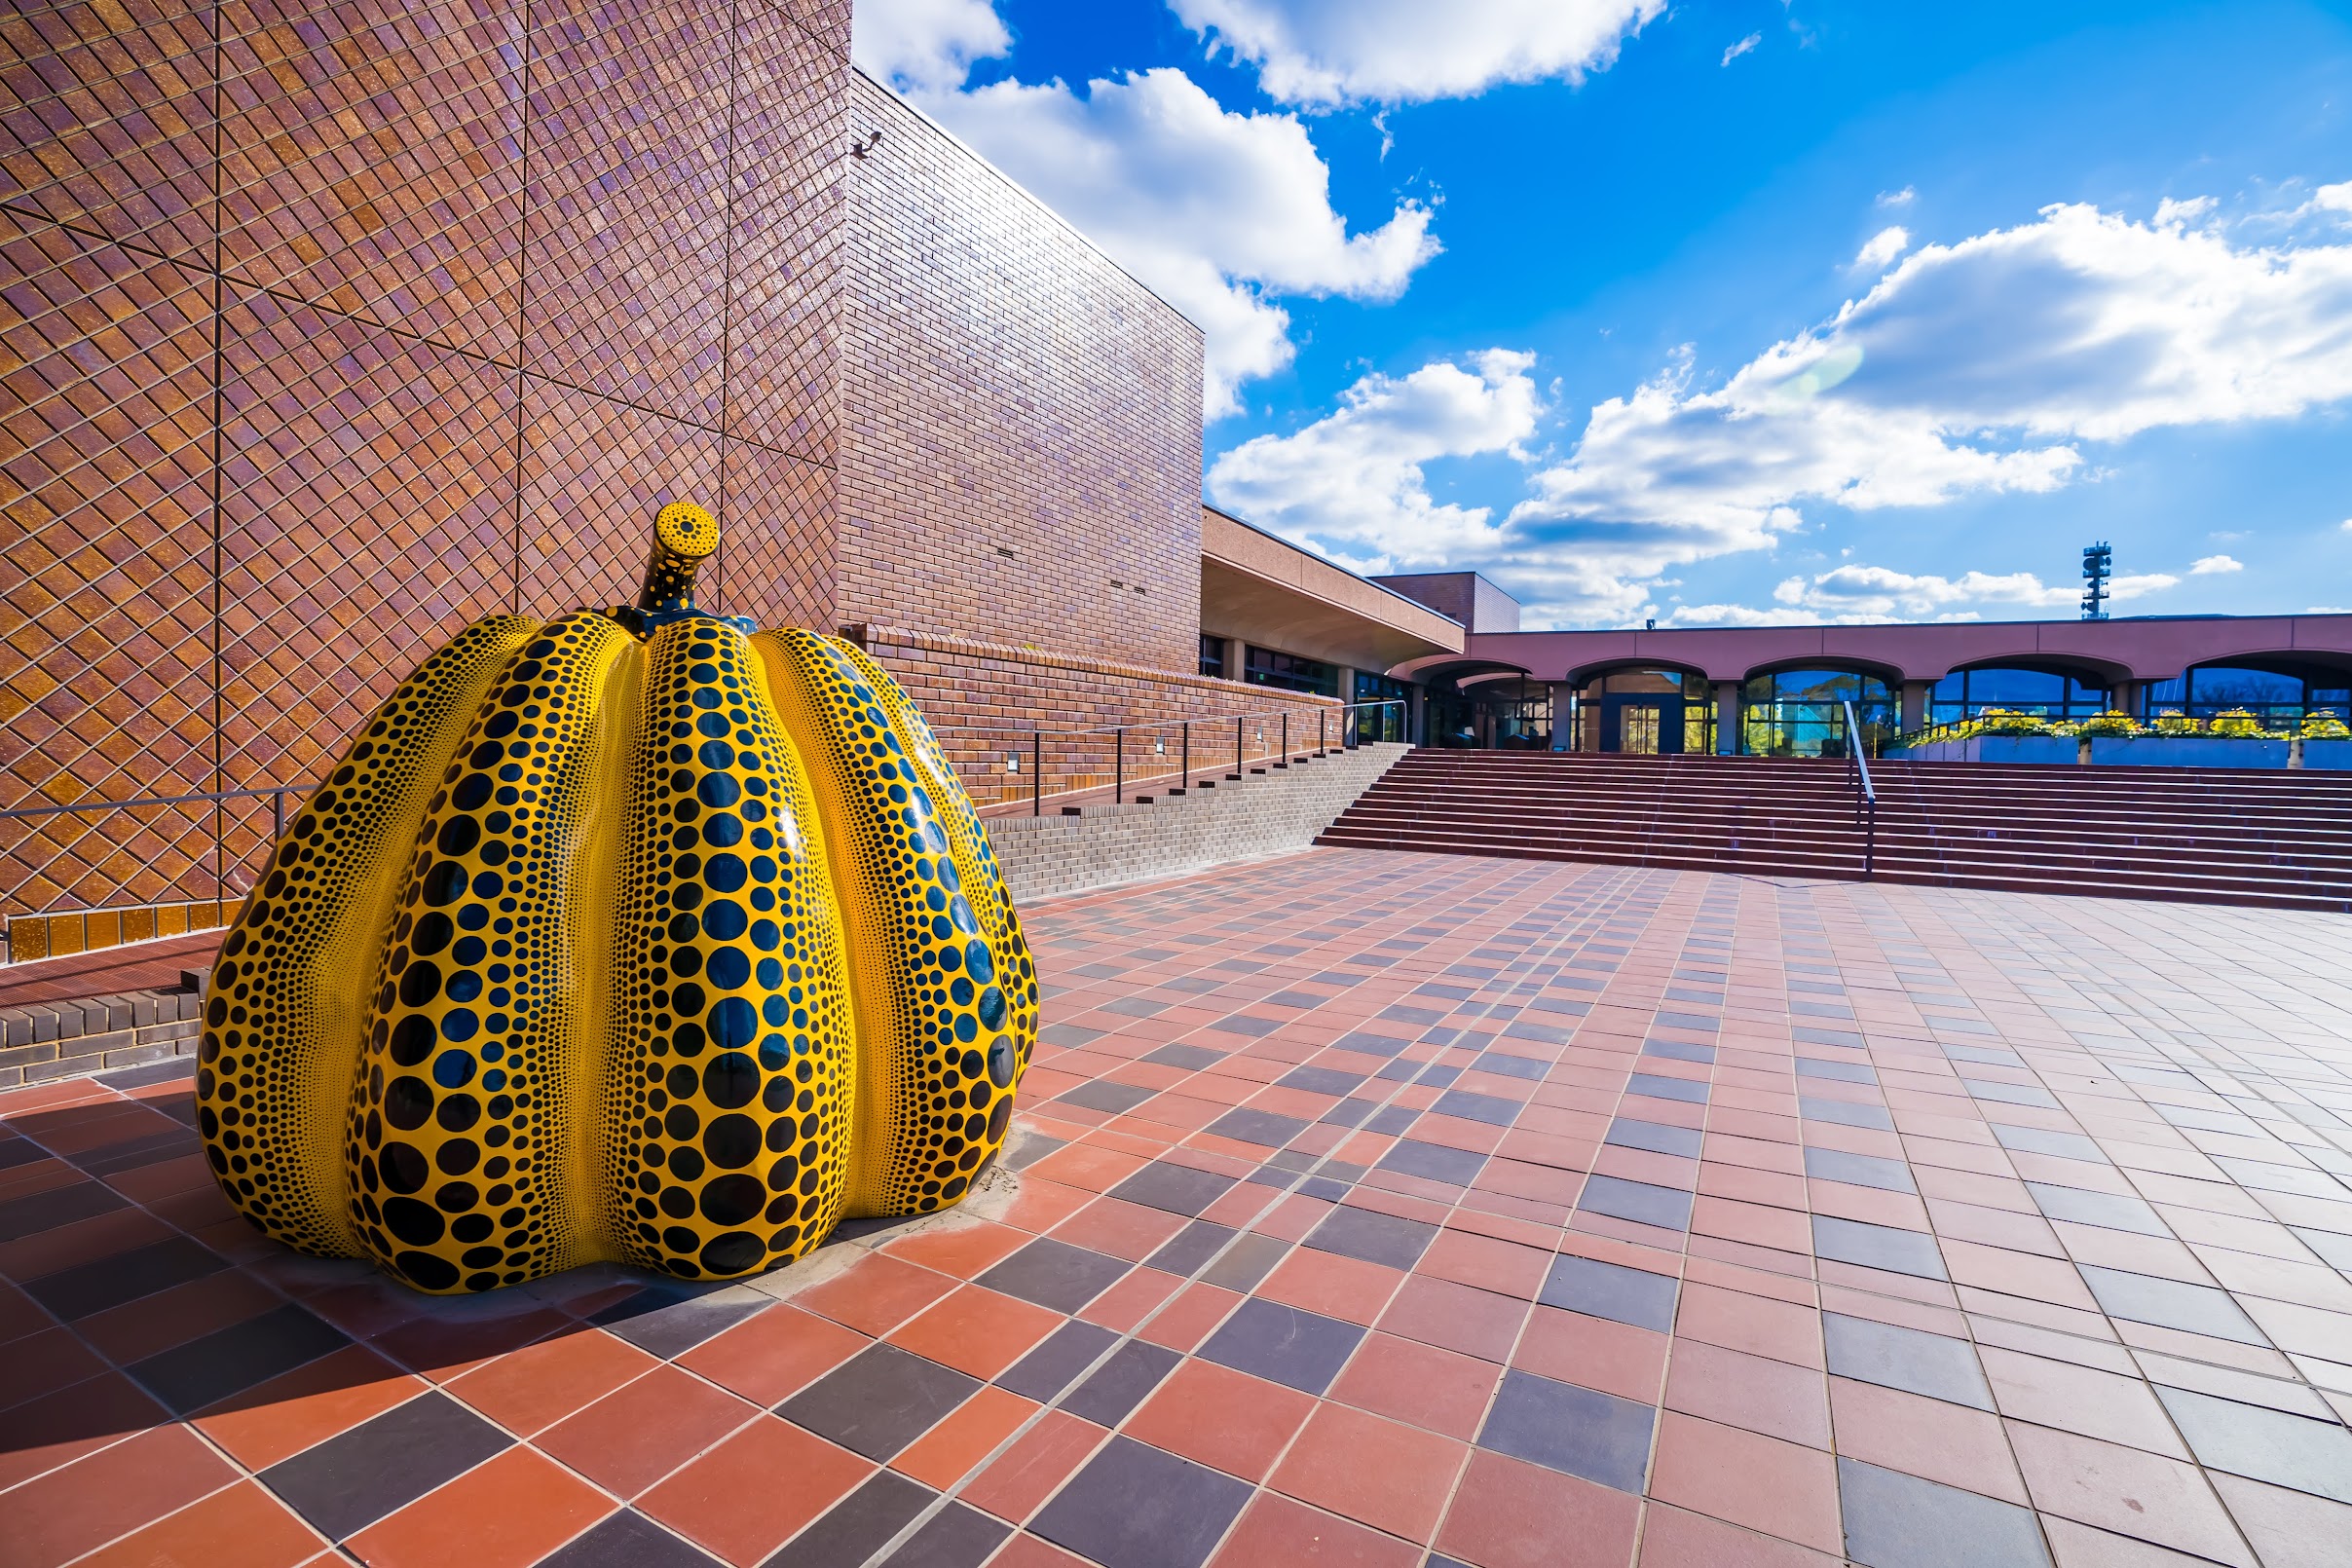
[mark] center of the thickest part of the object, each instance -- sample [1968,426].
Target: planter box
[1993,749]
[2192,751]
[2331,756]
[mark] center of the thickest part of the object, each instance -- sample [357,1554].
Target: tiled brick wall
[984,699]
[1021,429]
[332,326]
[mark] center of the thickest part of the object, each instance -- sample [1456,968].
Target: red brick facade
[332,327]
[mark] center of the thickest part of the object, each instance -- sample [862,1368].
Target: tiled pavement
[1371,1210]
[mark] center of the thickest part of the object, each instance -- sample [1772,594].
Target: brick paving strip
[1370,1208]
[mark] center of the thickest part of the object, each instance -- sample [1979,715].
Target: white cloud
[1218,212]
[2206,566]
[1971,369]
[1902,198]
[1742,47]
[1352,484]
[2347,525]
[1325,53]
[925,45]
[1881,248]
[2334,198]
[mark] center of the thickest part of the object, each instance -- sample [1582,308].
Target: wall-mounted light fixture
[860,146]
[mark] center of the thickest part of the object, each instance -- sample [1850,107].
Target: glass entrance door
[1647,726]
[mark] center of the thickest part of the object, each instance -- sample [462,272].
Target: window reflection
[1965,694]
[1800,713]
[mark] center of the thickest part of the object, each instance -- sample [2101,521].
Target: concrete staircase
[2282,840]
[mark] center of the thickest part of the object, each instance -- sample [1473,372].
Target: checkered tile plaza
[1363,1208]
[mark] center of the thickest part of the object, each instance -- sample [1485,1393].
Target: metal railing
[1170,758]
[1866,793]
[100,863]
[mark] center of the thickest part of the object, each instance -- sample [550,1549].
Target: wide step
[2220,835]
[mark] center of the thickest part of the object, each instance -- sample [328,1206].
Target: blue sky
[1733,311]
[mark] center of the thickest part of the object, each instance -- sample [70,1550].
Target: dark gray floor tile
[1100,1094]
[1492,1109]
[1134,1507]
[1610,1290]
[1858,1170]
[1296,1000]
[1512,1066]
[1527,1029]
[855,1528]
[1657,1088]
[1392,1121]
[878,1400]
[1437,1074]
[1320,1080]
[1908,1359]
[2041,1140]
[1690,1022]
[1657,1138]
[627,1540]
[1878,1246]
[668,1318]
[2010,1093]
[1844,1113]
[1436,1162]
[1192,1058]
[352,1479]
[1894,1520]
[1840,1071]
[1054,1274]
[1177,1189]
[1350,1112]
[1246,1262]
[2110,1210]
[1135,1006]
[58,1206]
[1122,1383]
[110,1282]
[1249,1027]
[1054,1365]
[2195,1309]
[1193,985]
[131,1153]
[1067,1036]
[1188,1249]
[1418,1017]
[1371,1045]
[1668,1207]
[1679,1051]
[2269,1445]
[1574,1429]
[209,1368]
[1375,1238]
[1304,1350]
[955,1537]
[1032,1146]
[1262,1127]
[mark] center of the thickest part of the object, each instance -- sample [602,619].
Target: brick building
[332,327]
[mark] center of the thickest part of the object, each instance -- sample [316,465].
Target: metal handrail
[1866,793]
[65,900]
[1351,724]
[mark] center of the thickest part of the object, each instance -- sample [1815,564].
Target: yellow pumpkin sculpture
[637,935]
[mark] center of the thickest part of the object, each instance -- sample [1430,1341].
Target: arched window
[2282,699]
[1641,710]
[1800,713]
[1965,693]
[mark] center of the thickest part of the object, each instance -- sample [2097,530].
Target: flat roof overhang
[1267,592]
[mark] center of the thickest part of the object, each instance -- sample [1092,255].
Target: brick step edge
[50,1040]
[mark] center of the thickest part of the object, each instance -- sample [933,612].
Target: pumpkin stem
[684,536]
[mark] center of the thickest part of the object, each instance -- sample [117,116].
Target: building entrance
[1645,724]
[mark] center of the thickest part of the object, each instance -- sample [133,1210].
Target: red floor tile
[632,1438]
[1441,1389]
[774,1355]
[507,1514]
[1455,1317]
[1671,1537]
[81,1418]
[1949,1443]
[1752,1392]
[1507,1514]
[1344,1287]
[240,1526]
[977,1331]
[963,1438]
[1596,1353]
[875,1294]
[745,1497]
[1221,1418]
[1034,1467]
[89,1502]
[310,1404]
[1275,1532]
[1386,1475]
[1736,1320]
[1774,1487]
[2141,1495]
[541,1384]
